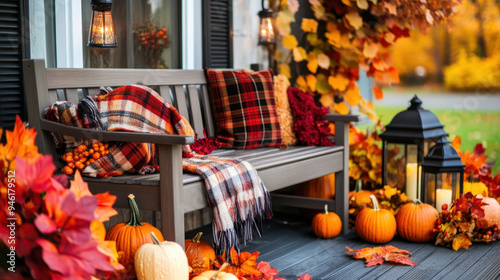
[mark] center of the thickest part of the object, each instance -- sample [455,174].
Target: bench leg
[171,193]
[342,177]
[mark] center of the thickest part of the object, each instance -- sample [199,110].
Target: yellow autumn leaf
[341,108]
[326,100]
[312,38]
[322,85]
[279,55]
[284,69]
[323,61]
[370,50]
[309,25]
[362,4]
[319,11]
[299,54]
[347,2]
[283,25]
[338,82]
[389,37]
[366,107]
[311,82]
[312,64]
[290,42]
[352,96]
[354,19]
[301,82]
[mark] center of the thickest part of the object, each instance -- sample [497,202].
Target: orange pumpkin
[375,225]
[415,221]
[491,211]
[327,224]
[130,236]
[360,196]
[322,187]
[199,253]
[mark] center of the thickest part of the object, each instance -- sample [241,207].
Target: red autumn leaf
[105,201]
[36,177]
[243,264]
[67,214]
[378,255]
[26,239]
[267,271]
[74,261]
[304,276]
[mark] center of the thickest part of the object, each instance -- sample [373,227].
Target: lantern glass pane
[454,180]
[444,191]
[396,165]
[266,31]
[413,171]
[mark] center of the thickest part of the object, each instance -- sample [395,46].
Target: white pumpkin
[161,261]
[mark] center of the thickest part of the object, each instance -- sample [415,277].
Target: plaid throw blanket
[238,198]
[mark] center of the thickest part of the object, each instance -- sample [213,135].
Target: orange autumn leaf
[379,94]
[338,82]
[309,25]
[354,19]
[311,82]
[352,96]
[370,50]
[377,255]
[243,264]
[290,42]
[105,201]
[456,143]
[312,64]
[301,82]
[20,142]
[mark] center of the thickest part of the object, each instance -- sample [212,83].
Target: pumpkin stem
[219,271]
[359,186]
[374,202]
[135,217]
[155,239]
[417,202]
[196,239]
[326,209]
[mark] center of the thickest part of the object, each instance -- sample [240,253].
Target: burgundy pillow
[243,108]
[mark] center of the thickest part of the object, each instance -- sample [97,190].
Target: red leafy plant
[477,168]
[461,225]
[45,228]
[379,255]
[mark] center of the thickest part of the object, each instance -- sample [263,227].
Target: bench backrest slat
[185,89]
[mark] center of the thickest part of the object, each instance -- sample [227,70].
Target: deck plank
[293,250]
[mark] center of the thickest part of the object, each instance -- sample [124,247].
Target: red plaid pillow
[244,109]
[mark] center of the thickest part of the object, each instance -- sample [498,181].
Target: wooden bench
[173,192]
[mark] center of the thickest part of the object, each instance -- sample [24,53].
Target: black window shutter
[11,55]
[217,34]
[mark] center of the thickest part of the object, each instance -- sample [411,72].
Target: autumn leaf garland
[345,36]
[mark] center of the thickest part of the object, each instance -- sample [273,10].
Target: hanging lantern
[266,30]
[442,175]
[102,33]
[405,143]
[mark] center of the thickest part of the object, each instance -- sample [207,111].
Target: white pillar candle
[411,180]
[442,196]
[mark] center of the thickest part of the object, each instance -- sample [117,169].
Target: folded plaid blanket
[238,198]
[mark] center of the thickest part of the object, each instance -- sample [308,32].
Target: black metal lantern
[442,175]
[266,30]
[405,143]
[102,32]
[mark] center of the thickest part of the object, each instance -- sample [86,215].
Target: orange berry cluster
[155,39]
[83,156]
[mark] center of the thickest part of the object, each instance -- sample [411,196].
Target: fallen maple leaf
[378,255]
[304,276]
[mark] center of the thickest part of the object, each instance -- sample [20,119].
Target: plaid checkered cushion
[244,109]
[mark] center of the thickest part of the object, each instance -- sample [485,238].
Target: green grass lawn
[472,127]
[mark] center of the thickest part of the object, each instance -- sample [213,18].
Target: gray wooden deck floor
[291,247]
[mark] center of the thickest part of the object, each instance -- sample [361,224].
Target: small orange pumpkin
[327,224]
[130,236]
[200,254]
[415,221]
[360,196]
[322,187]
[375,225]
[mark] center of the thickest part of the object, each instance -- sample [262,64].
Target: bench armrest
[121,136]
[342,118]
